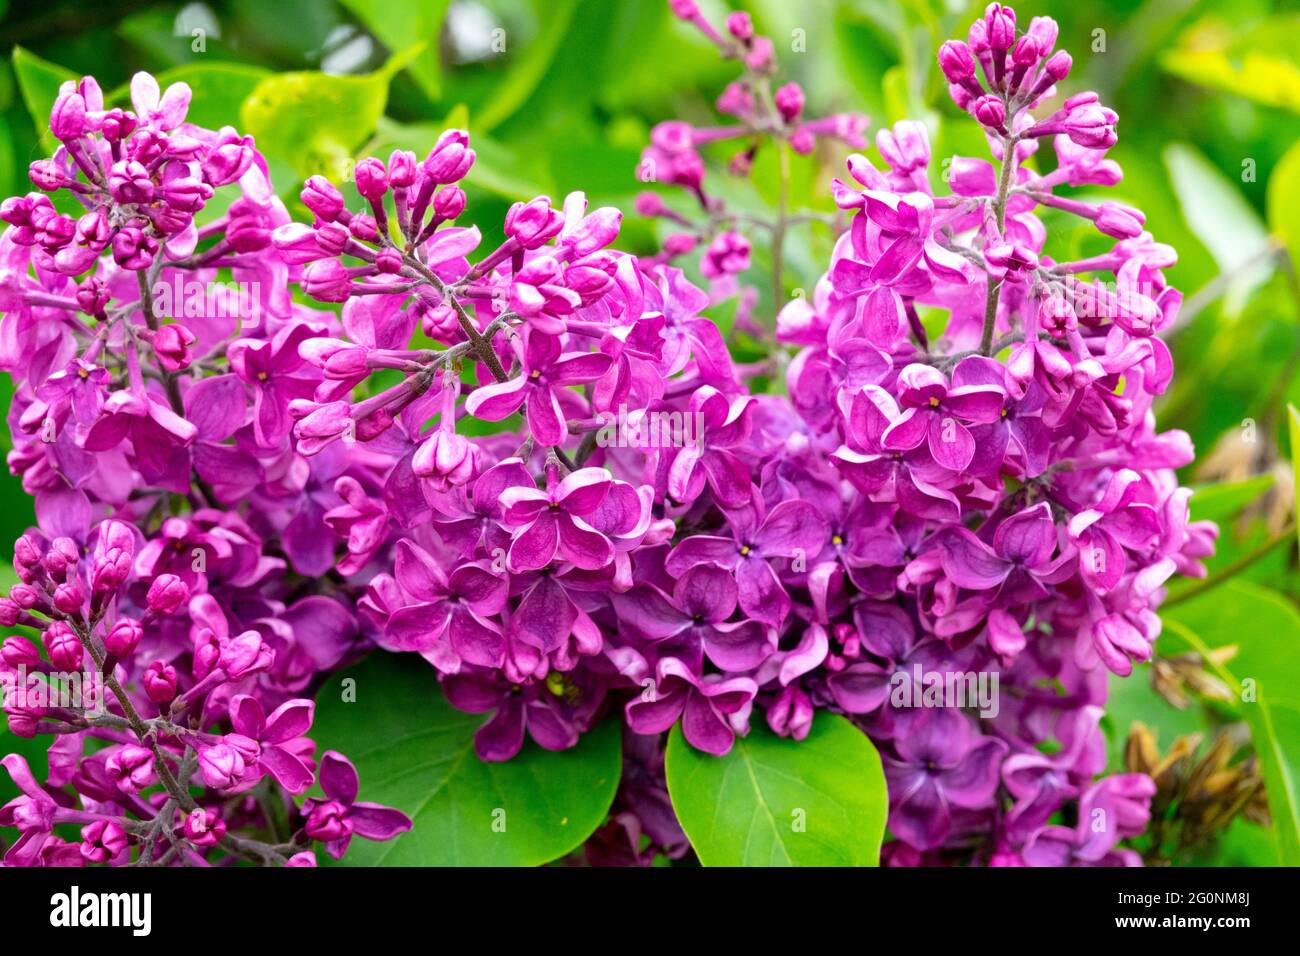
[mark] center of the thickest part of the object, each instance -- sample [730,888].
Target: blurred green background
[561,95]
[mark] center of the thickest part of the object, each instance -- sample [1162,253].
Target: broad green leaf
[1221,218]
[219,90]
[1263,675]
[39,80]
[1257,76]
[1284,202]
[314,121]
[399,23]
[528,65]
[1293,429]
[1222,501]
[773,801]
[414,751]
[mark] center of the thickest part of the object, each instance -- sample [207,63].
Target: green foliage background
[561,94]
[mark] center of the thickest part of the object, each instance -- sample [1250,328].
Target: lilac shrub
[232,506]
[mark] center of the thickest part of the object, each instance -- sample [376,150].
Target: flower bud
[171,344]
[222,766]
[124,637]
[328,821]
[167,593]
[447,460]
[789,100]
[69,596]
[402,169]
[204,827]
[327,280]
[102,841]
[450,159]
[25,596]
[533,224]
[19,652]
[159,682]
[990,111]
[322,198]
[9,613]
[62,646]
[46,175]
[68,116]
[449,202]
[371,179]
[364,227]
[132,768]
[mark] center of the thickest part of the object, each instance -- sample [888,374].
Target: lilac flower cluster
[228,511]
[179,645]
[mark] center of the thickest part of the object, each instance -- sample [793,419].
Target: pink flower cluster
[231,508]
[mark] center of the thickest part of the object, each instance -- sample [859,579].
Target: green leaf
[414,751]
[1293,429]
[773,801]
[1263,676]
[39,80]
[1224,500]
[219,89]
[1284,202]
[529,65]
[314,121]
[400,22]
[1221,218]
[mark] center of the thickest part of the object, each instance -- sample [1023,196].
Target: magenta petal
[546,615]
[583,546]
[656,709]
[702,549]
[291,719]
[498,400]
[417,627]
[503,736]
[970,563]
[906,431]
[338,778]
[950,442]
[728,478]
[545,419]
[376,822]
[294,775]
[646,610]
[704,728]
[535,546]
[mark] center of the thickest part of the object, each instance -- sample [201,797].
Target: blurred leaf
[1258,63]
[1293,429]
[314,121]
[1222,219]
[1222,501]
[1284,203]
[398,23]
[773,801]
[414,751]
[39,80]
[528,66]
